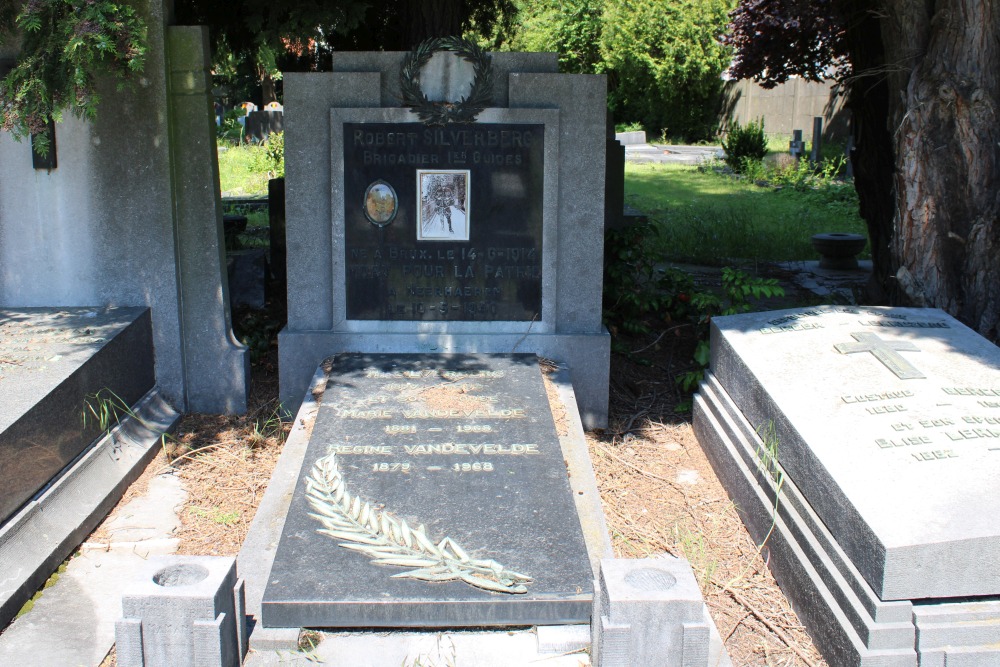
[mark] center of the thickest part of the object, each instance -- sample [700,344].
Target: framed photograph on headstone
[443,206]
[381,203]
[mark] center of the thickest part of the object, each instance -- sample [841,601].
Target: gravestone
[869,438]
[79,417]
[59,370]
[433,493]
[474,236]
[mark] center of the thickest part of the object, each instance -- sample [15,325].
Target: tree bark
[944,102]
[267,90]
[872,158]
[432,18]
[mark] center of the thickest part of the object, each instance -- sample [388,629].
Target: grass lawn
[243,171]
[714,219]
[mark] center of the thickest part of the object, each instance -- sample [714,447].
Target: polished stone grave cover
[52,362]
[433,494]
[864,444]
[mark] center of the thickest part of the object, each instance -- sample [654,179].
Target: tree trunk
[267,90]
[432,18]
[944,103]
[872,157]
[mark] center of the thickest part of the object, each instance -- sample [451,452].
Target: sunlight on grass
[711,218]
[242,171]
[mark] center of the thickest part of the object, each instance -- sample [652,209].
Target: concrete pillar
[216,366]
[184,610]
[647,613]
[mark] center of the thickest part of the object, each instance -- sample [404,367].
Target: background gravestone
[864,445]
[528,275]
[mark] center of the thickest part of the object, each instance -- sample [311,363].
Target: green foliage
[709,218]
[571,28]
[628,127]
[664,63]
[745,145]
[258,330]
[274,154]
[636,288]
[641,293]
[740,293]
[663,60]
[65,46]
[231,130]
[244,170]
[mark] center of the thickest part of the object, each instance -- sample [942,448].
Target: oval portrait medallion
[381,203]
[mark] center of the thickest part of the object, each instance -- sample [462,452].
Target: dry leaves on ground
[659,491]
[661,496]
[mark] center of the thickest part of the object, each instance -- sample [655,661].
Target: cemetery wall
[131,216]
[786,107]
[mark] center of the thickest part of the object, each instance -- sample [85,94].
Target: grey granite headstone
[864,445]
[58,365]
[509,261]
[433,494]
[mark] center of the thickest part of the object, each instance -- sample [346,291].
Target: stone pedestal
[185,610]
[649,612]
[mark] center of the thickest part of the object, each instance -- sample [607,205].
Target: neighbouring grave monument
[80,410]
[137,242]
[470,222]
[864,445]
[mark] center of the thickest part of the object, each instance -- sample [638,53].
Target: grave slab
[893,434]
[867,474]
[55,365]
[463,449]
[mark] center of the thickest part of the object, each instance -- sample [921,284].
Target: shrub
[745,145]
[274,150]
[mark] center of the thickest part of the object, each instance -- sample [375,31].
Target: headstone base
[848,622]
[587,355]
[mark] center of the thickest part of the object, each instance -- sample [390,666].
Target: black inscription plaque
[466,240]
[433,493]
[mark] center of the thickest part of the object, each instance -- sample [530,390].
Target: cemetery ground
[659,492]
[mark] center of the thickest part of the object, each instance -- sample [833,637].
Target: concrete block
[216,366]
[184,610]
[649,612]
[631,138]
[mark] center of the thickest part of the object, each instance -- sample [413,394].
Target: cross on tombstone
[885,351]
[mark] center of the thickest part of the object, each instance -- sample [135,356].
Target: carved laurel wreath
[442,113]
[391,541]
